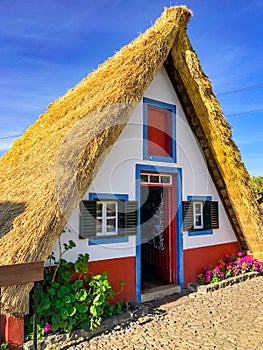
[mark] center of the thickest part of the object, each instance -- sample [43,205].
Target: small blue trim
[199,232]
[108,196]
[179,223]
[199,198]
[108,240]
[172,109]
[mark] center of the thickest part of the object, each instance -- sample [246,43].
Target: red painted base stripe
[118,269]
[195,260]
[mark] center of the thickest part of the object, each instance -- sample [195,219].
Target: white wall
[117,175]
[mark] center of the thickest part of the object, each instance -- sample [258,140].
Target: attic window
[159,131]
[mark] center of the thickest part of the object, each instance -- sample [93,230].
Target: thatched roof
[51,166]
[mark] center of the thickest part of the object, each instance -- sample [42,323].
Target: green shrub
[72,298]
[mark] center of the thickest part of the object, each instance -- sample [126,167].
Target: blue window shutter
[87,219]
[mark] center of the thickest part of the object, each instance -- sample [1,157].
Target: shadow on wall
[8,212]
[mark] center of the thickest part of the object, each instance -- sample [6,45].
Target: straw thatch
[207,121]
[32,172]
[51,166]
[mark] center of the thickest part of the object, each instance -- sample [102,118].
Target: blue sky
[46,47]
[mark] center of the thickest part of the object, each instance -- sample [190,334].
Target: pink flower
[240,254]
[47,328]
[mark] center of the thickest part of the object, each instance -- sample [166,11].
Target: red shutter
[159,131]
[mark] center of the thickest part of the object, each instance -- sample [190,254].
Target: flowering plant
[232,265]
[47,328]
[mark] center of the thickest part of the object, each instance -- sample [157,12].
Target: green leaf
[82,316]
[81,295]
[64,313]
[71,311]
[77,284]
[93,310]
[55,285]
[72,297]
[63,324]
[82,308]
[58,304]
[66,275]
[55,318]
[67,299]
[54,327]
[51,291]
[63,290]
[99,299]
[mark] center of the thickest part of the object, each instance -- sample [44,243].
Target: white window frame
[195,215]
[159,176]
[106,217]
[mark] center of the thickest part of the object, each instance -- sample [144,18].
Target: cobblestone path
[227,319]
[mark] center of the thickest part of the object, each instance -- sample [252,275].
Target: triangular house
[175,158]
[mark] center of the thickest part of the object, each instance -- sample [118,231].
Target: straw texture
[37,184]
[222,155]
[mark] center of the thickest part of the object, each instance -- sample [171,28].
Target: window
[155,179]
[200,215]
[159,131]
[107,218]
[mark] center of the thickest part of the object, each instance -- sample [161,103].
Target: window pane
[99,209]
[144,178]
[198,208]
[198,221]
[99,225]
[159,131]
[111,225]
[154,179]
[111,209]
[165,179]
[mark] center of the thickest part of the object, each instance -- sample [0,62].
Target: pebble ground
[227,319]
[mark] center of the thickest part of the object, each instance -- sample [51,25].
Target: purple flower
[240,254]
[47,328]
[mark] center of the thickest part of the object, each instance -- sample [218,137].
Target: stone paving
[227,319]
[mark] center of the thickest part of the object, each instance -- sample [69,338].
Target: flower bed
[231,266]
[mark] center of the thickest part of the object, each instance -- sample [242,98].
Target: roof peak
[174,12]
